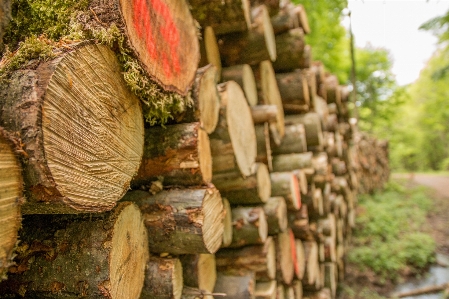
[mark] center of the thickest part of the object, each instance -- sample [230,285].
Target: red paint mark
[167,31]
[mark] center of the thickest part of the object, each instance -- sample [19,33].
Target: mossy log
[290,51]
[244,76]
[294,141]
[254,189]
[163,278]
[181,221]
[252,46]
[263,145]
[276,213]
[82,145]
[260,259]
[312,125]
[286,184]
[294,89]
[291,162]
[209,50]
[199,271]
[11,192]
[285,248]
[223,16]
[227,223]
[89,255]
[300,263]
[249,226]
[176,154]
[5,17]
[266,289]
[161,34]
[233,143]
[236,287]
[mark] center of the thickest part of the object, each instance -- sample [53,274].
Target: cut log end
[270,41]
[209,103]
[227,223]
[212,52]
[212,222]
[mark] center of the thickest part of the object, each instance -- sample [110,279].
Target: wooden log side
[227,223]
[312,125]
[263,145]
[300,225]
[82,145]
[322,109]
[318,69]
[163,278]
[254,189]
[182,221]
[161,34]
[286,184]
[297,288]
[236,287]
[273,6]
[209,50]
[249,226]
[199,271]
[11,186]
[95,255]
[276,213]
[260,259]
[293,88]
[330,250]
[177,155]
[5,17]
[312,271]
[294,141]
[311,85]
[244,76]
[233,143]
[302,179]
[289,293]
[264,113]
[290,51]
[284,20]
[280,291]
[223,16]
[303,19]
[285,242]
[252,46]
[306,60]
[332,89]
[300,264]
[291,162]
[265,289]
[195,293]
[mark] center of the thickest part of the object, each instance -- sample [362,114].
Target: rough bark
[199,271]
[11,186]
[181,221]
[177,155]
[276,213]
[223,16]
[5,17]
[209,50]
[284,20]
[82,145]
[254,189]
[312,125]
[294,89]
[294,141]
[266,290]
[236,287]
[244,76]
[72,256]
[249,226]
[290,51]
[227,224]
[285,243]
[162,35]
[233,143]
[260,259]
[292,162]
[252,46]
[163,279]
[286,184]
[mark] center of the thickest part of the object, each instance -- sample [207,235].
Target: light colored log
[286,184]
[236,287]
[292,162]
[289,293]
[264,113]
[294,141]
[272,5]
[297,288]
[244,76]
[421,291]
[302,179]
[330,278]
[209,50]
[312,271]
[199,271]
[182,221]
[264,153]
[163,279]
[82,145]
[312,125]
[227,224]
[266,290]
[285,242]
[249,226]
[280,291]
[300,265]
[276,213]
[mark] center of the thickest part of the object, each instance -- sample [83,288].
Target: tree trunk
[236,287]
[227,224]
[252,46]
[95,256]
[276,213]
[168,53]
[285,243]
[260,259]
[312,125]
[244,76]
[163,279]
[182,221]
[233,143]
[292,162]
[266,290]
[286,184]
[10,200]
[290,51]
[294,89]
[263,145]
[249,226]
[209,50]
[62,122]
[5,17]
[294,141]
[300,264]
[223,16]
[176,155]
[199,271]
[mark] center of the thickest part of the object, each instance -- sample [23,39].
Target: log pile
[251,192]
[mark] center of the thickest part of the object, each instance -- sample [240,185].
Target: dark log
[318,69]
[300,226]
[249,226]
[244,76]
[199,271]
[287,18]
[331,278]
[176,155]
[236,287]
[290,51]
[163,279]
[209,50]
[286,184]
[291,162]
[5,17]
[293,88]
[272,5]
[276,213]
[87,255]
[182,221]
[318,294]
[82,145]
[294,141]
[285,247]
[266,290]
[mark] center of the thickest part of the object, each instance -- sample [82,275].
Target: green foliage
[392,222]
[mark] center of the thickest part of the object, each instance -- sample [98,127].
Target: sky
[393,24]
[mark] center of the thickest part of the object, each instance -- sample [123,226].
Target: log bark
[249,226]
[168,53]
[294,89]
[244,76]
[11,186]
[263,145]
[286,184]
[209,50]
[284,20]
[276,213]
[272,5]
[300,225]
[181,221]
[290,51]
[260,259]
[233,143]
[264,113]
[236,287]
[294,141]
[163,279]
[280,292]
[330,278]
[312,125]
[199,271]
[292,162]
[285,248]
[297,288]
[61,121]
[223,16]
[333,93]
[71,256]
[266,290]
[227,223]
[300,264]
[254,189]
[311,84]
[177,155]
[5,17]
[252,46]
